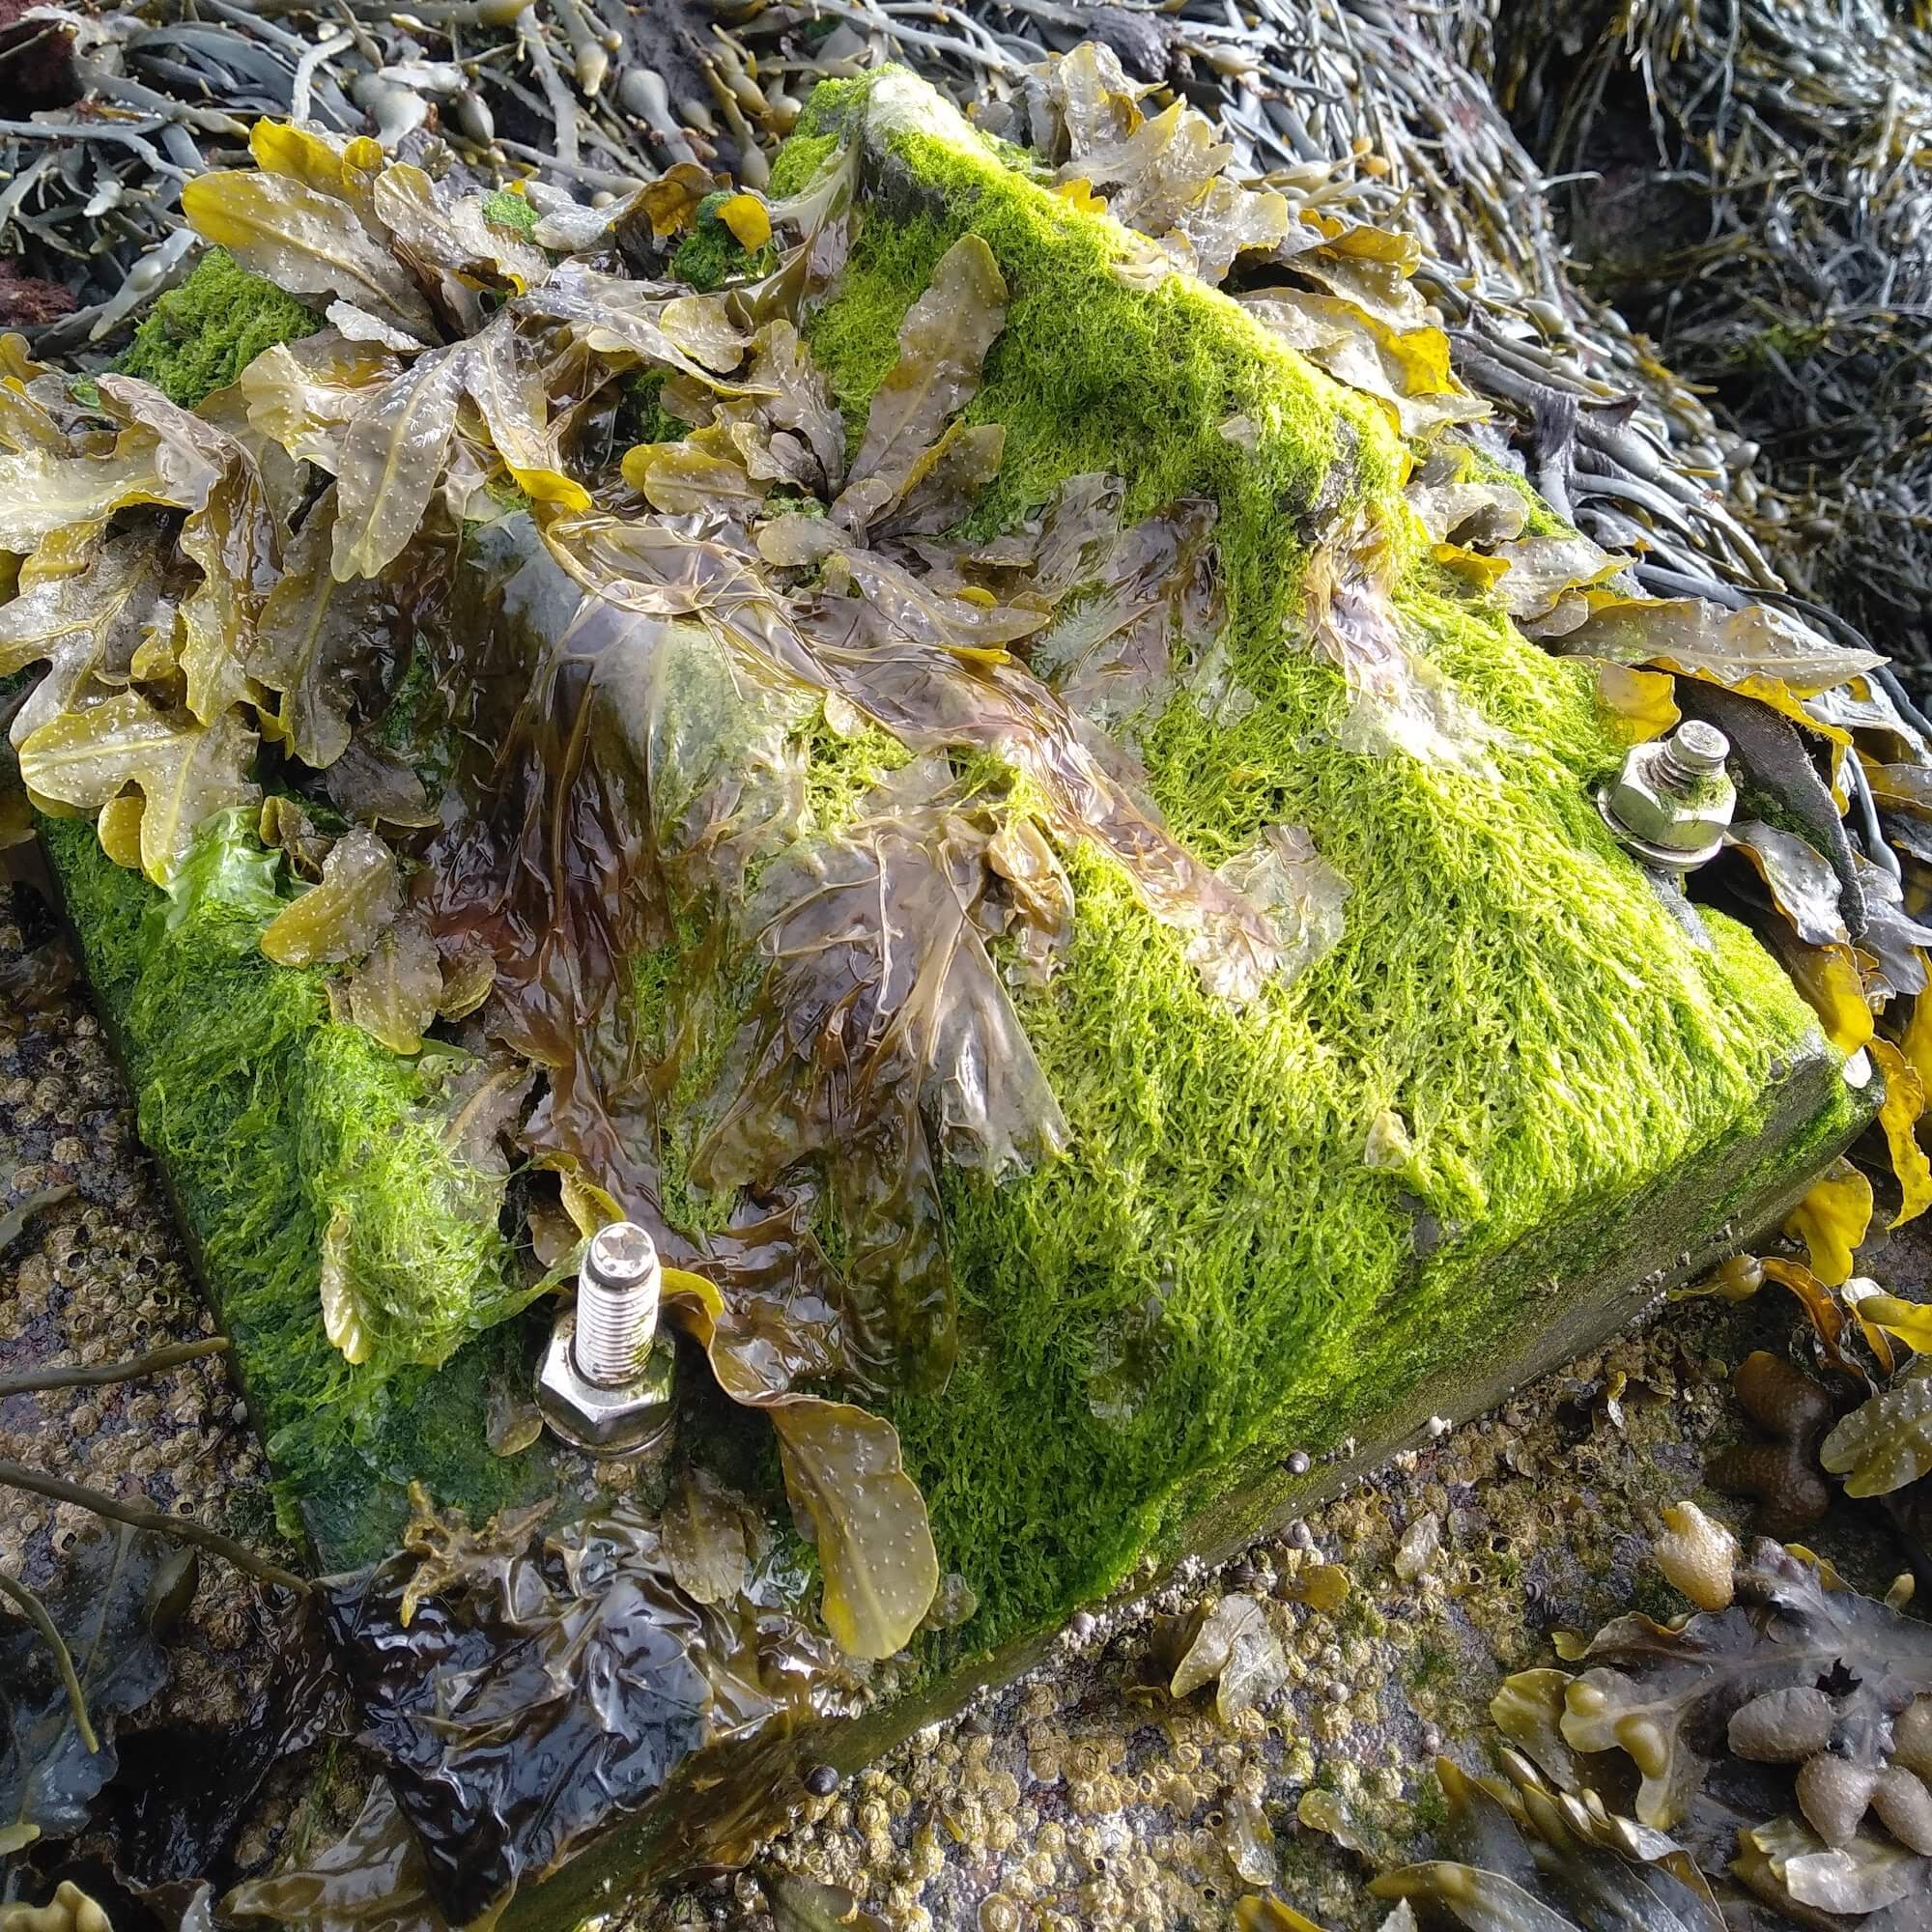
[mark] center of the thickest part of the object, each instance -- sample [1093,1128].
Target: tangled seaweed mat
[1216,1275]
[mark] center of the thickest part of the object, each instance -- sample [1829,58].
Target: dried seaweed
[1831,1221]
[304,394]
[1802,885]
[396,992]
[184,1791]
[229,534]
[873,944]
[1759,650]
[309,243]
[711,1537]
[841,1471]
[804,1905]
[1790,1867]
[356,899]
[1783,1474]
[87,624]
[391,462]
[317,642]
[1165,174]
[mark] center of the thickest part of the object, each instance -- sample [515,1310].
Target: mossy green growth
[1543,521]
[510,209]
[841,769]
[798,161]
[710,255]
[1091,372]
[642,416]
[200,336]
[269,1119]
[1214,1273]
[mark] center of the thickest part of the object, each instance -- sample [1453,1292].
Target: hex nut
[1666,811]
[605,1422]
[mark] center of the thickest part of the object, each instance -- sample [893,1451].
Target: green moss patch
[509,210]
[711,254]
[1215,1273]
[270,1119]
[200,336]
[1094,373]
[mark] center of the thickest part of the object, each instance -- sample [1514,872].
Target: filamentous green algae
[1214,1271]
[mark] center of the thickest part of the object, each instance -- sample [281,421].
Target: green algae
[1116,376]
[200,336]
[268,1120]
[710,255]
[1214,1274]
[799,160]
[510,209]
[840,768]
[642,416]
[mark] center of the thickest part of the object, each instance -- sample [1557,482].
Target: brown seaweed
[943,341]
[117,1590]
[881,1012]
[318,642]
[577,1649]
[184,770]
[308,242]
[87,625]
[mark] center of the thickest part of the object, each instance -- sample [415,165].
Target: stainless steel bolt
[617,1289]
[1695,750]
[1673,801]
[606,1383]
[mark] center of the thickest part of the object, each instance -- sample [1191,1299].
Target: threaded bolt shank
[616,1304]
[1695,750]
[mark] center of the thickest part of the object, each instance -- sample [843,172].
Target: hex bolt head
[1696,749]
[622,1254]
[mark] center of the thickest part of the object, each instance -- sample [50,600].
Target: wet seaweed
[577,1647]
